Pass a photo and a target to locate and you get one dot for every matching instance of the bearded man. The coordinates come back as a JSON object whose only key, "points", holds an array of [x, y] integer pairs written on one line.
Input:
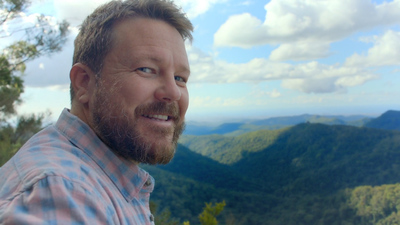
{"points": [[128, 103]]}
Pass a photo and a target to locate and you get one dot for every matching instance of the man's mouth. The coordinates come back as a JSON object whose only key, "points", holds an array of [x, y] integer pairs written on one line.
{"points": [[158, 117]]}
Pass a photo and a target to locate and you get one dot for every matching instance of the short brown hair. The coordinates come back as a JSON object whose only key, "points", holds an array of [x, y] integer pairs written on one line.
{"points": [[94, 40]]}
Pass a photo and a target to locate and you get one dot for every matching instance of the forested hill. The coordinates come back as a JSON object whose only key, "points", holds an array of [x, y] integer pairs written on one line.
{"points": [[228, 149], [305, 174], [322, 159], [390, 120]]}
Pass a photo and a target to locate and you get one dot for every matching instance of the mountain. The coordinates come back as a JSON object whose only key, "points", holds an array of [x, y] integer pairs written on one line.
{"points": [[226, 128], [390, 120], [322, 159], [305, 174], [196, 129], [274, 123], [230, 149]]}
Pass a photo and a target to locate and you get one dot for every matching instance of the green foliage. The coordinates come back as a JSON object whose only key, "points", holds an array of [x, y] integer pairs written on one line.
{"points": [[11, 8], [377, 205], [40, 38], [11, 88], [163, 217], [12, 138], [207, 217], [210, 212]]}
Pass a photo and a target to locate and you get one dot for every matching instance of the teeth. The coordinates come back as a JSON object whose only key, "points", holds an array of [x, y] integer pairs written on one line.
{"points": [[159, 117]]}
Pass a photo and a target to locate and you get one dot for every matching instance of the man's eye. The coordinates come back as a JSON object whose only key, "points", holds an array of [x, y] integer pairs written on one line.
{"points": [[145, 69], [180, 79]]}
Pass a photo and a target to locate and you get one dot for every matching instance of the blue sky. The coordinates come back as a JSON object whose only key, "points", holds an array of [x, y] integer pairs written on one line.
{"points": [[258, 59]]}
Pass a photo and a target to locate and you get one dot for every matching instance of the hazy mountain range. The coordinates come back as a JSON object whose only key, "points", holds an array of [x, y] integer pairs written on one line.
{"points": [[236, 128]]}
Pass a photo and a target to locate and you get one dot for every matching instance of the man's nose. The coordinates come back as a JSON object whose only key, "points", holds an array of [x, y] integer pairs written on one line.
{"points": [[168, 91]]}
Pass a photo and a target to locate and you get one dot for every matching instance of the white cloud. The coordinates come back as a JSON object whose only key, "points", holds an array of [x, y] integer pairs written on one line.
{"points": [[242, 31], [385, 52], [355, 80], [311, 77], [75, 11], [300, 51], [299, 24], [261, 93], [194, 8]]}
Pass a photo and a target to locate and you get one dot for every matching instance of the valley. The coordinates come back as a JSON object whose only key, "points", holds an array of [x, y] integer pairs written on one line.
{"points": [[305, 173]]}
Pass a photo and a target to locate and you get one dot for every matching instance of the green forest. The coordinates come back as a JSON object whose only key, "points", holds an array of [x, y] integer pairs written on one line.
{"points": [[309, 173]]}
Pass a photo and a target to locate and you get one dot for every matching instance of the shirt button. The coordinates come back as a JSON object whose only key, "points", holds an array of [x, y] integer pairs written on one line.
{"points": [[151, 218], [148, 183]]}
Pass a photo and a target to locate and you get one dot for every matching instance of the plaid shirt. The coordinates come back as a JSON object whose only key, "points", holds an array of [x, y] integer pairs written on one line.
{"points": [[66, 175]]}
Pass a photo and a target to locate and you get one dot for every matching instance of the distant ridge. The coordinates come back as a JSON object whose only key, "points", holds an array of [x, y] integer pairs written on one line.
{"points": [[389, 120], [274, 123]]}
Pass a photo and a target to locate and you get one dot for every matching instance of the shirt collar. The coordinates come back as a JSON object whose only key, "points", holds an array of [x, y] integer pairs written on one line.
{"points": [[128, 177]]}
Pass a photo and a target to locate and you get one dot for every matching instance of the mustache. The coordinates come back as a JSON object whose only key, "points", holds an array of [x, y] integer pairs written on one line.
{"points": [[162, 108]]}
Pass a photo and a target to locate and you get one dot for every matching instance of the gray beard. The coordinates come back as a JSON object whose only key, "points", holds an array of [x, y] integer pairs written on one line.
{"points": [[120, 133]]}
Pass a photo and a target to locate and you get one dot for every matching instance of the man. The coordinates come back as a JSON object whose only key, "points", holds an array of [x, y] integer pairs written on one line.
{"points": [[129, 99]]}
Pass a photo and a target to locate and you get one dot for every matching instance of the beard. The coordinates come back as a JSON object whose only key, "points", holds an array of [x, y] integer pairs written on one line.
{"points": [[119, 130]]}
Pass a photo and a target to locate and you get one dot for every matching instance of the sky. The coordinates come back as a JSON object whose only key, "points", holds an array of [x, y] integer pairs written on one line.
{"points": [[253, 59]]}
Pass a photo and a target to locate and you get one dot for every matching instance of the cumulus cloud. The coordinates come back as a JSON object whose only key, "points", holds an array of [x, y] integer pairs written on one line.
{"points": [[301, 51], [310, 77], [298, 24], [385, 52]]}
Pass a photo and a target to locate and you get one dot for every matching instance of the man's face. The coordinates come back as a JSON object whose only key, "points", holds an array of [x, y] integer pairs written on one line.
{"points": [[141, 98]]}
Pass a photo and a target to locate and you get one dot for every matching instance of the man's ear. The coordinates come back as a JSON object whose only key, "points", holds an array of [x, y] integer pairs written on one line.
{"points": [[82, 81]]}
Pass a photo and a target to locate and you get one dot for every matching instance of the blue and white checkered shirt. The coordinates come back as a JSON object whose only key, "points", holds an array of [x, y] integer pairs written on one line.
{"points": [[66, 175]]}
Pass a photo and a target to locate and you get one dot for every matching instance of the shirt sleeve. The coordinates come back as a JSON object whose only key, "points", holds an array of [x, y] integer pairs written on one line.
{"points": [[57, 200]]}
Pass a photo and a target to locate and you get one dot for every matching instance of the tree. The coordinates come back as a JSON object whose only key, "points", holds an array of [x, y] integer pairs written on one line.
{"points": [[12, 138], [163, 217], [36, 39], [210, 212], [33, 40]]}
